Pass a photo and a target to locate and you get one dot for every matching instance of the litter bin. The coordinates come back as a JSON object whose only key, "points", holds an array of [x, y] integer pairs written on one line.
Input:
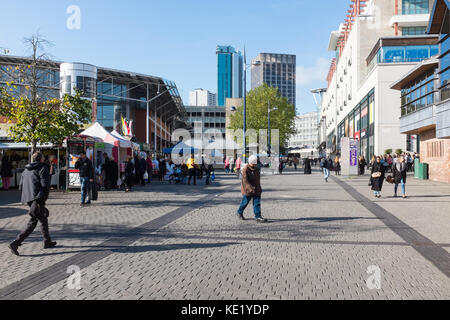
{"points": [[425, 171], [420, 171]]}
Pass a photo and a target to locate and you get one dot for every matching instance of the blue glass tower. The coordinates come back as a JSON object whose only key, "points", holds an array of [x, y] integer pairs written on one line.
{"points": [[230, 65]]}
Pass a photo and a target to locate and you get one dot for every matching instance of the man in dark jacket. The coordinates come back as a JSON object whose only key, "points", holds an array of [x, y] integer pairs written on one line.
{"points": [[107, 168], [142, 169], [251, 189], [86, 177], [35, 187]]}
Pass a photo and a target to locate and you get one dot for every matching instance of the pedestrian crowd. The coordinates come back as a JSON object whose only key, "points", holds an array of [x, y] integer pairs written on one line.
{"points": [[397, 166]]}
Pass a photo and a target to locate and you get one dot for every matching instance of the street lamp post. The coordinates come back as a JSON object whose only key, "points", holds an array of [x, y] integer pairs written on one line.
{"points": [[269, 153], [246, 66], [245, 108]]}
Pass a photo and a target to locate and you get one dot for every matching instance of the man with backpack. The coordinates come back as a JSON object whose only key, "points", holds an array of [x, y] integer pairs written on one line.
{"points": [[35, 187]]}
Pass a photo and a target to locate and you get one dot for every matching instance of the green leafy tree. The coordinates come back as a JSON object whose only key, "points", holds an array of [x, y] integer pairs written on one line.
{"points": [[258, 100], [37, 117]]}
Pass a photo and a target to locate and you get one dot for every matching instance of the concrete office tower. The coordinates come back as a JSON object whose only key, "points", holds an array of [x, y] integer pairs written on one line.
{"points": [[203, 98], [276, 70], [230, 66], [307, 135], [373, 48]]}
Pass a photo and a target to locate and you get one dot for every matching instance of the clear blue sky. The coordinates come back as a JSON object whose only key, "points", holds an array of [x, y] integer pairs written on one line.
{"points": [[177, 39]]}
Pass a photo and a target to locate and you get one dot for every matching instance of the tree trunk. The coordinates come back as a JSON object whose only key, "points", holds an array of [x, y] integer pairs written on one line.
{"points": [[33, 147]]}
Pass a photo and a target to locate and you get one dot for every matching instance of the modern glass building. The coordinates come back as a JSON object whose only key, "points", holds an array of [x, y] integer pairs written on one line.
{"points": [[230, 67], [425, 99], [115, 94]]}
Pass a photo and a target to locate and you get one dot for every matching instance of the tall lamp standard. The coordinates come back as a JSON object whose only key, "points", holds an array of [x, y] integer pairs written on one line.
{"points": [[246, 66], [269, 153]]}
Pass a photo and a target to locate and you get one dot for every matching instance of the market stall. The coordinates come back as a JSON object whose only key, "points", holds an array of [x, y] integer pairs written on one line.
{"points": [[18, 154], [76, 145], [123, 150]]}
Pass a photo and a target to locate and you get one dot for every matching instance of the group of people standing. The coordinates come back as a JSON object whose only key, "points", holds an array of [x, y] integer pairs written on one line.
{"points": [[232, 166], [399, 170]]}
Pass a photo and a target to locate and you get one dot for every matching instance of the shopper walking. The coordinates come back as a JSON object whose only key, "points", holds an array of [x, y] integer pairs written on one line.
{"points": [[142, 164], [251, 189], [149, 167], [238, 167], [399, 170], [162, 169], [362, 165], [129, 178], [227, 166], [107, 168], [307, 166], [209, 172], [6, 173], [325, 164], [84, 165], [192, 169], [337, 166], [377, 176], [35, 187]]}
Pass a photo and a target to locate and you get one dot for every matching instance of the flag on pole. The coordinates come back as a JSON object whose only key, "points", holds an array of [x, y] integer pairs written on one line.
{"points": [[125, 128]]}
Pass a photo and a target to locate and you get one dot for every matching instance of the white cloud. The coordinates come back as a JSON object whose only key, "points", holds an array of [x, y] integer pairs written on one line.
{"points": [[307, 75]]}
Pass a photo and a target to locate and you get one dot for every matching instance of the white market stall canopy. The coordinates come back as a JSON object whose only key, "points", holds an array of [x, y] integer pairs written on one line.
{"points": [[124, 142], [23, 145], [96, 131]]}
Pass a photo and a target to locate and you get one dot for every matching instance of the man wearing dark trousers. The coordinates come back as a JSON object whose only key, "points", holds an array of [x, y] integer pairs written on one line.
{"points": [[35, 187], [86, 176], [192, 166]]}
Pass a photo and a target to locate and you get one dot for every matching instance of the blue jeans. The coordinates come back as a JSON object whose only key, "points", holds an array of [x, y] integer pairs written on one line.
{"points": [[256, 205], [403, 187], [326, 173], [85, 185]]}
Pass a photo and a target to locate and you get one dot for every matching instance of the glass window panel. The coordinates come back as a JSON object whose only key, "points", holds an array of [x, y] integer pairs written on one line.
{"points": [[445, 45], [416, 53], [434, 50], [445, 78], [393, 54], [445, 61]]}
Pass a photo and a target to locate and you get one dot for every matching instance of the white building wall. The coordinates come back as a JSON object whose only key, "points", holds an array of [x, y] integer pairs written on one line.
{"points": [[202, 98], [352, 78]]}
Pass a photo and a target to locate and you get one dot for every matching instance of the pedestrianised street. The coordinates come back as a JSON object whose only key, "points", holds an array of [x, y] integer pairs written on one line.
{"points": [[322, 241]]}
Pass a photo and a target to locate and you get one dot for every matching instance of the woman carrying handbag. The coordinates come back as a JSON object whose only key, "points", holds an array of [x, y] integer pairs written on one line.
{"points": [[378, 175]]}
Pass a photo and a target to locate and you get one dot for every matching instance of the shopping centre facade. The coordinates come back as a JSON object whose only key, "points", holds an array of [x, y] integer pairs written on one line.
{"points": [[115, 95], [373, 49]]}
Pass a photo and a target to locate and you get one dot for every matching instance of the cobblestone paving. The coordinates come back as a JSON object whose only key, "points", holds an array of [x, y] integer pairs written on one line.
{"points": [[318, 244]]}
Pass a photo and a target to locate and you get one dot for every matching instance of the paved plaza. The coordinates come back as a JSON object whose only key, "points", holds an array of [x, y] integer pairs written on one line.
{"points": [[185, 242]]}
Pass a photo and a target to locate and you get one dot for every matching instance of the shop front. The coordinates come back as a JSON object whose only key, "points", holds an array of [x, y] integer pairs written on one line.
{"points": [[359, 124]]}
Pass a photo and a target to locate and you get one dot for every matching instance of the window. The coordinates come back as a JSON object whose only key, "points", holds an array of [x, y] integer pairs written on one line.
{"points": [[435, 149], [415, 6], [412, 31]]}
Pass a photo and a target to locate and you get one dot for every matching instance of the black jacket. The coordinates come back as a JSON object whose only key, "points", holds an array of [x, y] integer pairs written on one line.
{"points": [[377, 183], [85, 167], [142, 165], [399, 175], [129, 168], [35, 182], [6, 170]]}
